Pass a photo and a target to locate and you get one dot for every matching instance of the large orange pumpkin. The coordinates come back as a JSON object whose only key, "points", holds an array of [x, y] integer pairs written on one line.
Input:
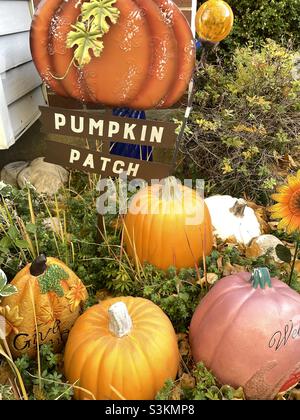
{"points": [[122, 348], [139, 53], [247, 331], [214, 21], [48, 301], [167, 225]]}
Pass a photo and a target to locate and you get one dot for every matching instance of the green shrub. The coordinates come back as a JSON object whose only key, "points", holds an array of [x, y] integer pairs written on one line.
{"points": [[255, 21], [245, 130]]}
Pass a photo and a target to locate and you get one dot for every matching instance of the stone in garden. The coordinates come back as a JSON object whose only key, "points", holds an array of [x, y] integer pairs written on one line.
{"points": [[10, 172], [47, 178]]}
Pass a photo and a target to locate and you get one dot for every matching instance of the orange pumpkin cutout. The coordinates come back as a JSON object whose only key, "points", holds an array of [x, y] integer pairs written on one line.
{"points": [[168, 225], [123, 348], [135, 53], [49, 300]]}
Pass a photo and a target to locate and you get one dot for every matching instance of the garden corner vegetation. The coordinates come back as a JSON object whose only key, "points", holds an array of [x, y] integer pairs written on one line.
{"points": [[140, 304]]}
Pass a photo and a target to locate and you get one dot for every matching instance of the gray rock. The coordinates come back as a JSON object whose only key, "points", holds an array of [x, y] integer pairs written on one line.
{"points": [[10, 172], [46, 178]]}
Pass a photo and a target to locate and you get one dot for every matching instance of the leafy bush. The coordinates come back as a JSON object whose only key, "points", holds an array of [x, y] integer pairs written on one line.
{"points": [[200, 385], [255, 21], [50, 384], [245, 130]]}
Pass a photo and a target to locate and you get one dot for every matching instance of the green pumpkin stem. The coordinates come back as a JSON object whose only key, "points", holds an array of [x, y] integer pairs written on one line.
{"points": [[261, 278], [39, 266]]}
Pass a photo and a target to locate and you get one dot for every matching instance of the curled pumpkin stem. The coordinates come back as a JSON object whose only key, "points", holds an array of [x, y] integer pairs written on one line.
{"points": [[66, 73]]}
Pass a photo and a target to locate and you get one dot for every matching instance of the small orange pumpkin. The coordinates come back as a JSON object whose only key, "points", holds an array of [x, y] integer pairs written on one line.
{"points": [[168, 224], [214, 21], [48, 301], [123, 348]]}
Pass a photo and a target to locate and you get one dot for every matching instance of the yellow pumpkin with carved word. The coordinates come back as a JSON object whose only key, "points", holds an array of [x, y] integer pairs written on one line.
{"points": [[214, 21], [48, 301], [123, 348], [168, 224]]}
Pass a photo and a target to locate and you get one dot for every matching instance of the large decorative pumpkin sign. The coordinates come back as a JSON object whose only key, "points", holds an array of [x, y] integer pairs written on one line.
{"points": [[135, 53], [45, 307], [123, 348], [247, 331]]}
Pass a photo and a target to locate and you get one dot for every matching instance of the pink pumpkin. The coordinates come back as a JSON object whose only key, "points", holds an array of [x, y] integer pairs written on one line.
{"points": [[247, 332]]}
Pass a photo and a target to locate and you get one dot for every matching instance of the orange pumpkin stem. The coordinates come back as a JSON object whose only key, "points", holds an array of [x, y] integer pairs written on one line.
{"points": [[120, 322]]}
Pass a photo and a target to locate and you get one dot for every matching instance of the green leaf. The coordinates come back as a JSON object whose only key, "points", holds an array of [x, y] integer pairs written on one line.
{"points": [[283, 253], [31, 228], [3, 279], [13, 232], [100, 11], [5, 242], [84, 41], [8, 290], [20, 243]]}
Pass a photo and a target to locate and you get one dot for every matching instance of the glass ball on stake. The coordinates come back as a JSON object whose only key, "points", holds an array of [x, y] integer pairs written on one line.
{"points": [[214, 22]]}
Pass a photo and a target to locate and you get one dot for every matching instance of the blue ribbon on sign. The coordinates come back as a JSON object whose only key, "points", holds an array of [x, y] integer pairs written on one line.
{"points": [[131, 150], [198, 45]]}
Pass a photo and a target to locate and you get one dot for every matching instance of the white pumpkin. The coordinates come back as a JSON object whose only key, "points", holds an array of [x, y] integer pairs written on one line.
{"points": [[232, 218]]}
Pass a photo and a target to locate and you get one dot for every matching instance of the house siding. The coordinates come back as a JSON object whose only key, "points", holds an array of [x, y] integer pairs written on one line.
{"points": [[21, 90]]}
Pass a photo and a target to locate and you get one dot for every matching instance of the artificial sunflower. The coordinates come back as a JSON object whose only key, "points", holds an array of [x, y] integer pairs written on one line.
{"points": [[288, 204]]}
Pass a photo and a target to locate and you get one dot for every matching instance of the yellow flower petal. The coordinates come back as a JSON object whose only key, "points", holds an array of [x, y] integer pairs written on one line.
{"points": [[293, 182], [283, 189], [281, 198], [284, 223], [294, 224]]}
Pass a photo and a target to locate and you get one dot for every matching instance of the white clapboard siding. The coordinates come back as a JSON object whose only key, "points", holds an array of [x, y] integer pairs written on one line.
{"points": [[19, 81], [7, 137], [25, 111], [15, 16], [21, 91], [14, 50]]}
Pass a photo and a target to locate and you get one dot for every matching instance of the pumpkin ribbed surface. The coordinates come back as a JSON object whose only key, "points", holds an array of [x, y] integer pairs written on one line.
{"points": [[134, 366], [168, 231], [147, 59], [249, 337]]}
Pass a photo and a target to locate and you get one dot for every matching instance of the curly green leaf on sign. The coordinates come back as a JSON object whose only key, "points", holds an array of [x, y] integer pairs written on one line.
{"points": [[100, 11], [94, 22], [84, 41]]}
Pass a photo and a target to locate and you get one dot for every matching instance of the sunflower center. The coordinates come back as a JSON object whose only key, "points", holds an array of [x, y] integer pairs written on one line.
{"points": [[294, 203]]}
